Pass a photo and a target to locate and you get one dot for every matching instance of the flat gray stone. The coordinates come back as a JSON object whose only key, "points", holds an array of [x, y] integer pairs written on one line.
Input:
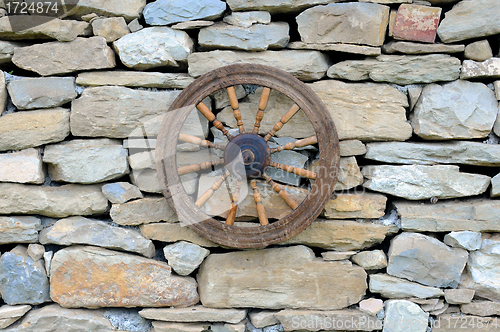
{"points": [[305, 65], [258, 37], [424, 259], [481, 308], [352, 23], [185, 257], [370, 260], [128, 9], [46, 92], [146, 180], [56, 58], [111, 28], [189, 25], [166, 12], [467, 240], [10, 314], [263, 318], [478, 51], [275, 6], [19, 229], [24, 166], [195, 314], [80, 230], [476, 215], [406, 47], [336, 47], [22, 130], [247, 19], [460, 152], [402, 315], [485, 69], [352, 148], [416, 182], [495, 186], [22, 280], [57, 202], [459, 296], [399, 69], [464, 109], [392, 287], [121, 192], [470, 19], [86, 161], [159, 326], [143, 211], [7, 50], [135, 79], [168, 232], [170, 46], [36, 251], [337, 255]]}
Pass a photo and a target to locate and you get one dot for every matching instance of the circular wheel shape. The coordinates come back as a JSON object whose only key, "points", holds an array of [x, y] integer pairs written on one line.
{"points": [[246, 160]]}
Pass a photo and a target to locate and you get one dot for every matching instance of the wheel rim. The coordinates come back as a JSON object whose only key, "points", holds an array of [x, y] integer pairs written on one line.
{"points": [[190, 212]]}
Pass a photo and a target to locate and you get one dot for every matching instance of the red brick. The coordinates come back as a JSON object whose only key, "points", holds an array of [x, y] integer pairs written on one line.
{"points": [[416, 23]]}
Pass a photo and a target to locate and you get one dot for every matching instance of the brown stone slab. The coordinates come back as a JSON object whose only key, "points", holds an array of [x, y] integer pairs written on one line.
{"points": [[416, 23]]}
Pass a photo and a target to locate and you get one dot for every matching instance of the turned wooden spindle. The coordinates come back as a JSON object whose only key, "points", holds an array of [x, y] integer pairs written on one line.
{"points": [[297, 144], [233, 100], [295, 170], [201, 142], [235, 197], [281, 192], [261, 212], [210, 192], [262, 107], [211, 117], [295, 108], [197, 167]]}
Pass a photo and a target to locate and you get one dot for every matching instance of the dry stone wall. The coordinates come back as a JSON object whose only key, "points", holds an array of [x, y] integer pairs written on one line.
{"points": [[409, 241]]}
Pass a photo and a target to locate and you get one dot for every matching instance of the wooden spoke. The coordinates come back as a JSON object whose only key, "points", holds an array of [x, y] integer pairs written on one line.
{"points": [[210, 192], [283, 194], [196, 167], [297, 144], [235, 197], [262, 107], [295, 170], [211, 117], [295, 108], [261, 212], [233, 100], [201, 142]]}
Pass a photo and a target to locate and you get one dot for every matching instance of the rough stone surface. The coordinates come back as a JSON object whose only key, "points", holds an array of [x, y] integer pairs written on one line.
{"points": [[459, 296], [80, 230], [60, 58], [143, 211], [189, 25], [496, 85], [476, 215], [135, 25], [371, 260], [159, 326], [19, 229], [251, 274], [353, 206], [146, 180], [349, 174], [459, 109], [185, 257], [46, 92], [485, 69], [392, 287], [62, 30], [354, 23], [352, 148], [275, 6], [399, 69], [7, 50], [417, 48], [135, 79], [365, 111], [340, 235], [371, 306], [36, 251], [305, 65], [469, 19], [478, 51], [10, 314], [58, 202], [22, 167], [111, 28], [337, 256], [402, 315], [22, 280], [257, 37], [460, 152], [129, 9], [167, 232], [3, 89], [336, 47], [23, 130], [121, 192], [416, 182], [166, 12], [154, 47], [495, 186], [466, 240], [94, 277], [426, 260], [263, 318], [481, 308], [86, 161], [416, 23], [247, 19], [112, 111], [194, 314]]}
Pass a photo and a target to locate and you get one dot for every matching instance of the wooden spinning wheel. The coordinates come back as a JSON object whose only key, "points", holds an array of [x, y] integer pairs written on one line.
{"points": [[240, 160]]}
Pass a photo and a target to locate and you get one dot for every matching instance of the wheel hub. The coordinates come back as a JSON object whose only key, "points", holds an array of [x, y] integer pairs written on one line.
{"points": [[247, 155]]}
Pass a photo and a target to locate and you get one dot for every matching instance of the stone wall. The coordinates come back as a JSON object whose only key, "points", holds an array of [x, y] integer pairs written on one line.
{"points": [[409, 241]]}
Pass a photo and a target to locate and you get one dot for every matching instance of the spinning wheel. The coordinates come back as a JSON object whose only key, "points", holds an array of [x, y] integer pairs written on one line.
{"points": [[227, 184]]}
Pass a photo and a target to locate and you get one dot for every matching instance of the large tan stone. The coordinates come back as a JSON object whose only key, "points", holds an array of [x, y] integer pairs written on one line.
{"points": [[354, 206], [419, 48], [19, 229], [279, 278], [41, 28], [58, 202], [354, 23], [129, 9], [143, 211], [135, 79], [397, 288], [111, 28], [194, 314], [23, 130], [481, 308], [60, 58], [275, 6], [336, 47], [167, 232], [368, 111], [22, 167], [95, 277]]}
